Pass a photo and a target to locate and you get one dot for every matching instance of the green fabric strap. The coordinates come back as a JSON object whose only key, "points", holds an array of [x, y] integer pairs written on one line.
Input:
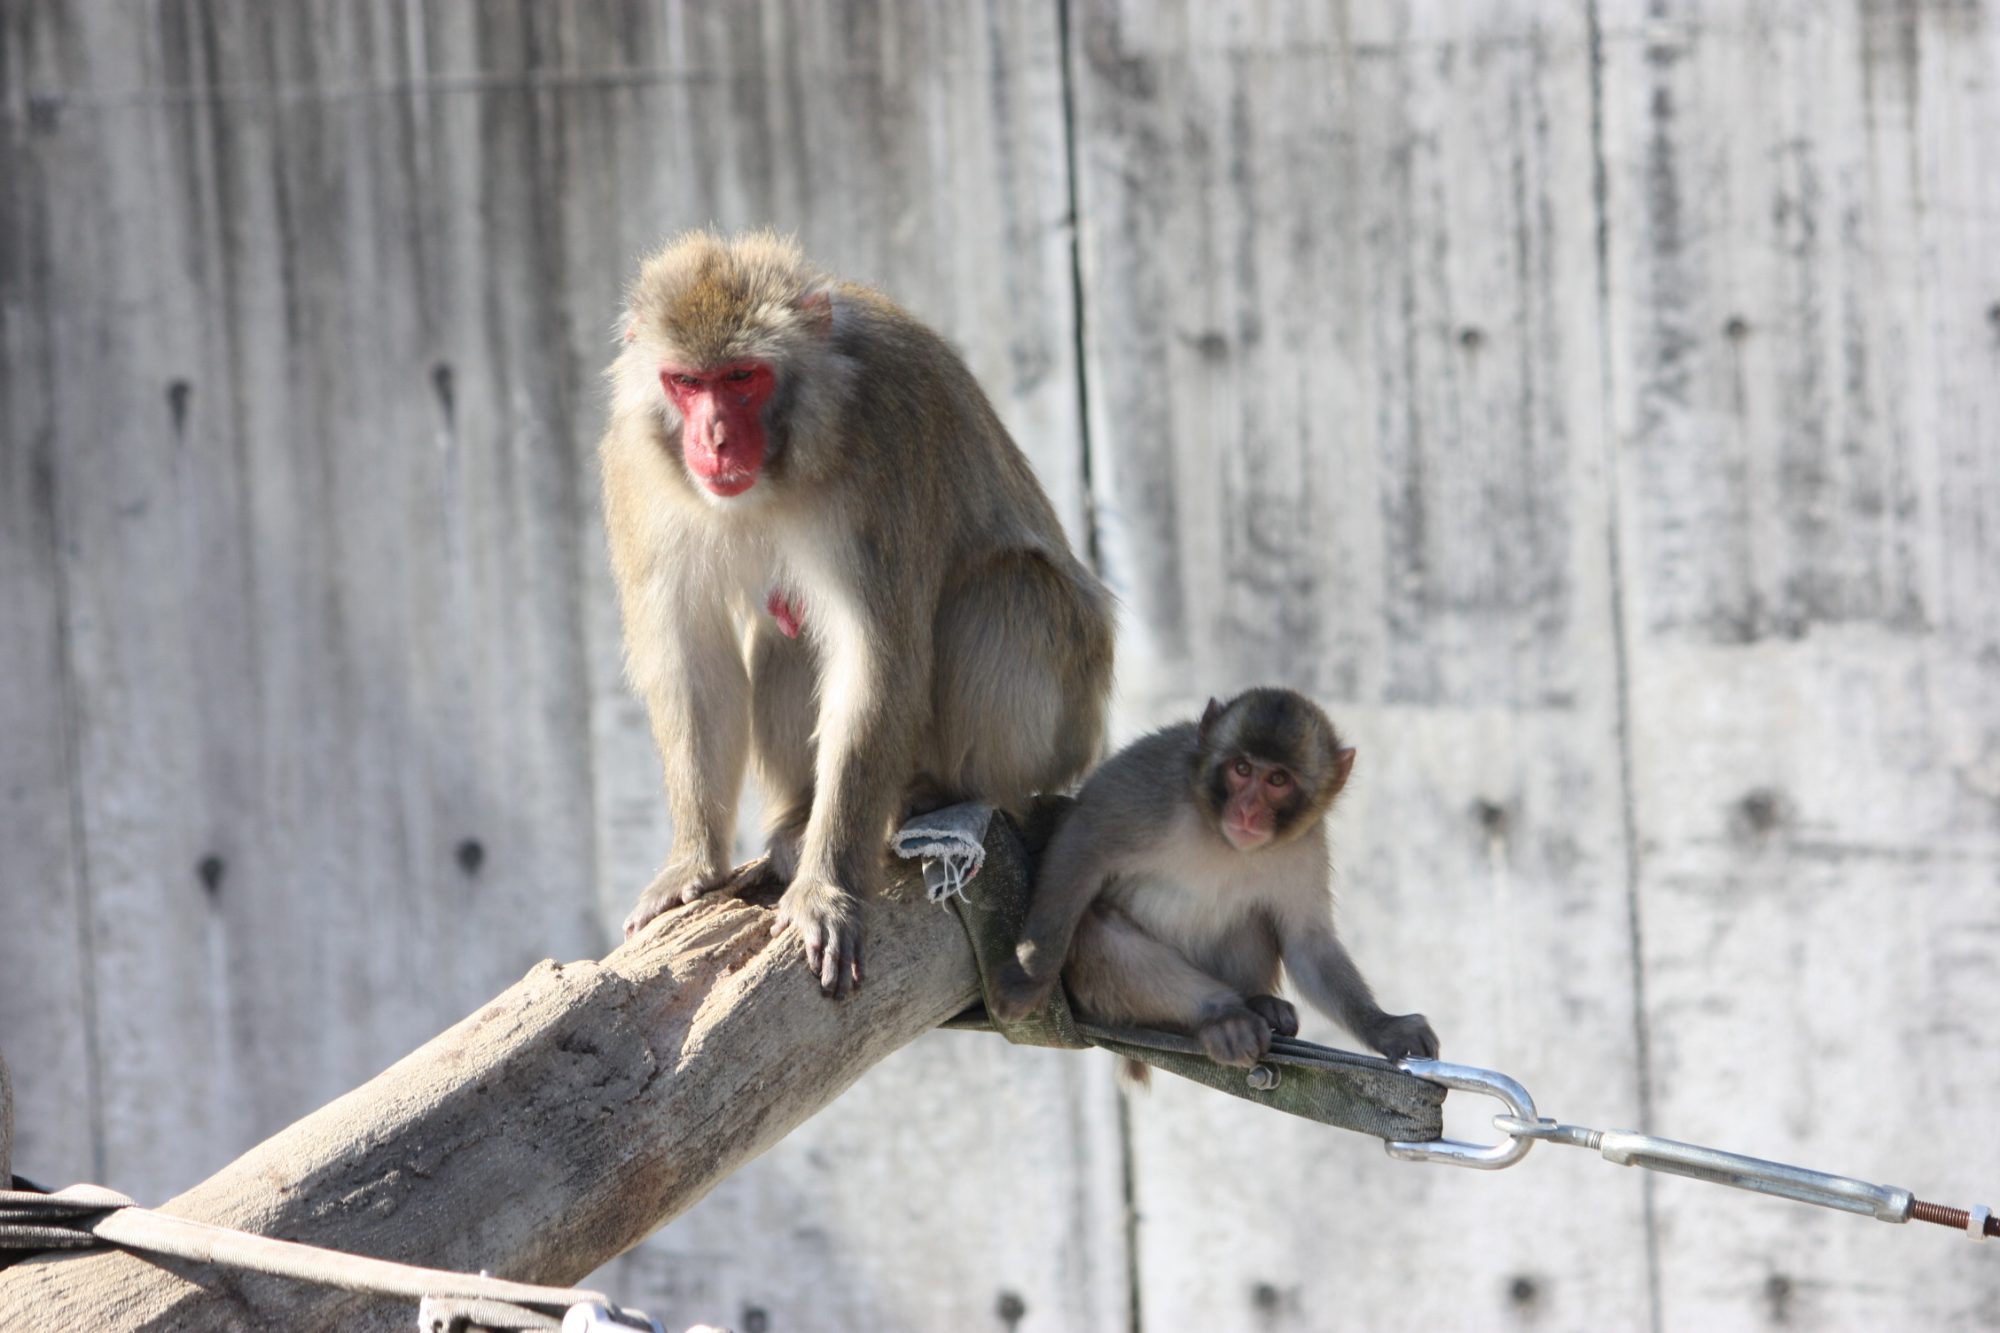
{"points": [[1359, 1092]]}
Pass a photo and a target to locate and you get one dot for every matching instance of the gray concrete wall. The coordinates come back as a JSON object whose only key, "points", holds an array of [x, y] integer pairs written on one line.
{"points": [[1595, 404]]}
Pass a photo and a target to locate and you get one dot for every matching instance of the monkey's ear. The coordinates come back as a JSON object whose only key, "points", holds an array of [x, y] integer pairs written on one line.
{"points": [[631, 328], [1343, 764], [817, 307], [1208, 716]]}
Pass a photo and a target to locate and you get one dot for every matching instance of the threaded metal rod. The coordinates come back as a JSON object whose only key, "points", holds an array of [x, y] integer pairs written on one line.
{"points": [[1945, 1215]]}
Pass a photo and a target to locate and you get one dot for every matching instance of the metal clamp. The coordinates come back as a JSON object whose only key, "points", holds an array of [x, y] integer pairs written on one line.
{"points": [[1456, 1152], [451, 1314], [583, 1318], [462, 1314]]}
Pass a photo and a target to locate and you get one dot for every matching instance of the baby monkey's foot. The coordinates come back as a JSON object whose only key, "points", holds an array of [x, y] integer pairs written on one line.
{"points": [[1284, 1019], [1236, 1038]]}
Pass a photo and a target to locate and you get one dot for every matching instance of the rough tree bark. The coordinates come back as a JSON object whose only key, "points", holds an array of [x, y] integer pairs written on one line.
{"points": [[549, 1131]]}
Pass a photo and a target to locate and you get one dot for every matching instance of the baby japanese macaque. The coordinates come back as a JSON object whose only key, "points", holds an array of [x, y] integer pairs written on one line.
{"points": [[1195, 864]]}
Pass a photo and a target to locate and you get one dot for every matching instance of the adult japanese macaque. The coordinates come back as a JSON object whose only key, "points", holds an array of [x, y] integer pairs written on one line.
{"points": [[832, 559], [1193, 864]]}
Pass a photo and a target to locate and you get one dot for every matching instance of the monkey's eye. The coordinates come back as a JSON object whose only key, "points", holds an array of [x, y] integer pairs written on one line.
{"points": [[1279, 778], [686, 381], [739, 375], [1242, 767]]}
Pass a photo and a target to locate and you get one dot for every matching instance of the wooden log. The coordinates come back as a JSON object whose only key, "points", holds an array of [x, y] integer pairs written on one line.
{"points": [[551, 1130], [590, 1104]]}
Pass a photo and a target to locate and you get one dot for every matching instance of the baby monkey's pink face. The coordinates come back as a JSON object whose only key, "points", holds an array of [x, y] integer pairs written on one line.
{"points": [[1259, 794], [722, 421]]}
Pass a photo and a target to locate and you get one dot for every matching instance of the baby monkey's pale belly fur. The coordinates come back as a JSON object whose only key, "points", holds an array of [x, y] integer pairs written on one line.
{"points": [[1196, 888]]}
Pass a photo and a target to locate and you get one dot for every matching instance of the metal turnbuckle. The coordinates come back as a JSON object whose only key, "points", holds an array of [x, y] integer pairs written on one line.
{"points": [[1456, 1152], [1523, 1129], [1885, 1203]]}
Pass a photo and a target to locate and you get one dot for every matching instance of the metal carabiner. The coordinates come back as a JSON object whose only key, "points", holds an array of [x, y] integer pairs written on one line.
{"points": [[1456, 1152]]}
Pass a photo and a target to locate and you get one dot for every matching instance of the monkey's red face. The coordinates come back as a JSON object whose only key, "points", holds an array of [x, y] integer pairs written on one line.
{"points": [[722, 421], [1260, 797]]}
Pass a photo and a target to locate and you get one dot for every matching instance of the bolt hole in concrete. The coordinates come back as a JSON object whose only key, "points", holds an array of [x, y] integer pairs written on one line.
{"points": [[1271, 1301], [1778, 1291], [471, 855], [210, 870], [447, 394], [1759, 811]]}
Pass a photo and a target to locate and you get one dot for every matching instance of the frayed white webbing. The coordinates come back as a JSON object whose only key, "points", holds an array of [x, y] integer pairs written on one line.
{"points": [[951, 843]]}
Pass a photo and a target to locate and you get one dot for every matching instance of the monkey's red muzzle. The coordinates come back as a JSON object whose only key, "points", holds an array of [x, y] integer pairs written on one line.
{"points": [[723, 468], [722, 423]]}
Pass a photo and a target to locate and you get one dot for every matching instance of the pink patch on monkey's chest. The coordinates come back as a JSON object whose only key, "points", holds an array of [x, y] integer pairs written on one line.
{"points": [[786, 611]]}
